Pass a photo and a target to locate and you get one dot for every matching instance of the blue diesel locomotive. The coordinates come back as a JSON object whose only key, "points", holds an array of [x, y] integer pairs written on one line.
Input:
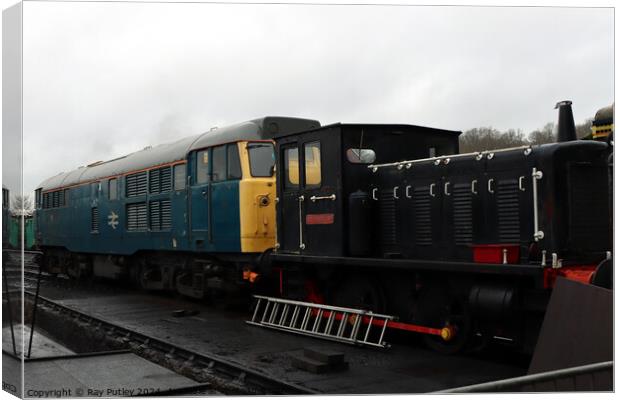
{"points": [[192, 215]]}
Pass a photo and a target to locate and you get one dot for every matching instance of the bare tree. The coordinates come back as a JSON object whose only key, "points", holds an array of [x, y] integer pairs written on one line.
{"points": [[488, 138], [544, 135], [584, 130], [22, 204]]}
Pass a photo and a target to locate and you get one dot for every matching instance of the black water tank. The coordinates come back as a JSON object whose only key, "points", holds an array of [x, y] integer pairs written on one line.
{"points": [[360, 224]]}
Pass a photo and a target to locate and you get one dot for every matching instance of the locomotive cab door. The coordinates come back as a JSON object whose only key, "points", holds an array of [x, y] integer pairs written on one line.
{"points": [[200, 193], [310, 201], [289, 208]]}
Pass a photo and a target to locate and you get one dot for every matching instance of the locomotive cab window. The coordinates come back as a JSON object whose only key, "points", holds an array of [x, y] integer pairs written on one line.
{"points": [[219, 164], [234, 164], [291, 168], [202, 166], [262, 159], [312, 154]]}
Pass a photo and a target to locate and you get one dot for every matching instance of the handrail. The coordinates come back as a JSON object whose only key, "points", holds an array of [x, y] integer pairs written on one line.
{"points": [[478, 154], [515, 383]]}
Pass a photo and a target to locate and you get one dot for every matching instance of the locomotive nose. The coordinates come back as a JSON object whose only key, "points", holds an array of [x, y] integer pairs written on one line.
{"points": [[566, 123]]}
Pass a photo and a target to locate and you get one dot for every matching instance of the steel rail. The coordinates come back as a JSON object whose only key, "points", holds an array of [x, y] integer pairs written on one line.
{"points": [[216, 366]]}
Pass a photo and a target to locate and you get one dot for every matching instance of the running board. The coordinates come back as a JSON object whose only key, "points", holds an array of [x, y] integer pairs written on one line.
{"points": [[347, 325]]}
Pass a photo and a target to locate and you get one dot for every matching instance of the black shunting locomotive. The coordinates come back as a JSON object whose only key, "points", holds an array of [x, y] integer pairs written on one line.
{"points": [[464, 248]]}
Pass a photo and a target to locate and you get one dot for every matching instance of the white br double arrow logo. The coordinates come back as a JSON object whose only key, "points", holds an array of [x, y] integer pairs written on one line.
{"points": [[113, 219]]}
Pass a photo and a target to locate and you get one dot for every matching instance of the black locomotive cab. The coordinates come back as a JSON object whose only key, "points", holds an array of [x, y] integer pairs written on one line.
{"points": [[324, 199]]}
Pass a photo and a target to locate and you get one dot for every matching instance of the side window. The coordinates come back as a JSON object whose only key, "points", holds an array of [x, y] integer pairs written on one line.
{"points": [[95, 187], [312, 152], [234, 164], [179, 176], [113, 189], [291, 168], [219, 164], [202, 166]]}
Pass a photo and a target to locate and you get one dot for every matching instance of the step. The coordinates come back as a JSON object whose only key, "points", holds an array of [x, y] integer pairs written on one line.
{"points": [[324, 355], [317, 367]]}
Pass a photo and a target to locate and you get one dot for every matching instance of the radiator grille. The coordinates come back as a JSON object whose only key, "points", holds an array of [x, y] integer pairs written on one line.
{"points": [[588, 222], [160, 180], [160, 215], [136, 217], [423, 227], [56, 199], [462, 211], [94, 219], [508, 211], [387, 215], [135, 184]]}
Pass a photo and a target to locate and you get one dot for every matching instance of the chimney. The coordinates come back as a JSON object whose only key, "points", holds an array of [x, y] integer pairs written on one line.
{"points": [[566, 123]]}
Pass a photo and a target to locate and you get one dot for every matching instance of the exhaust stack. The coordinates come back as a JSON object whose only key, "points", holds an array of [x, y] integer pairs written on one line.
{"points": [[566, 123]]}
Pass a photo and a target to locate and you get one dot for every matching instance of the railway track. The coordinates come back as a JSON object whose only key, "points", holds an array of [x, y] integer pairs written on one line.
{"points": [[12, 268], [227, 376]]}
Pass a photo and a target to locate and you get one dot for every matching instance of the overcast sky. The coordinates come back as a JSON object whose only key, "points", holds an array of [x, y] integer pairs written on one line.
{"points": [[105, 79]]}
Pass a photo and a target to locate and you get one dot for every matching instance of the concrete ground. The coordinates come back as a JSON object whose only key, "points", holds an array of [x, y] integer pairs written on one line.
{"points": [[53, 370], [110, 375], [42, 345], [404, 368]]}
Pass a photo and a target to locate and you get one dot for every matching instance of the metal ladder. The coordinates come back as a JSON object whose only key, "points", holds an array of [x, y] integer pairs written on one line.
{"points": [[340, 324]]}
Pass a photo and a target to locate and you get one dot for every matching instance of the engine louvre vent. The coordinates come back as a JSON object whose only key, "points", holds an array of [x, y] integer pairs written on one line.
{"points": [[160, 215], [135, 184], [462, 216], [423, 222], [387, 215], [508, 222], [94, 219], [160, 180], [136, 217]]}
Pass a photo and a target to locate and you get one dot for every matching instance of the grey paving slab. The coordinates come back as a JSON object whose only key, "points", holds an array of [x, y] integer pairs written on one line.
{"points": [[42, 345], [102, 375]]}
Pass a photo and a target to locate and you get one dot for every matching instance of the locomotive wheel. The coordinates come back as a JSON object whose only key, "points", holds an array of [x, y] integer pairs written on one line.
{"points": [[442, 310], [138, 276], [360, 293], [603, 276]]}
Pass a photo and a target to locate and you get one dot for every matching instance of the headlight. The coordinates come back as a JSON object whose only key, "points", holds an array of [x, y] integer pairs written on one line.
{"points": [[263, 201]]}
